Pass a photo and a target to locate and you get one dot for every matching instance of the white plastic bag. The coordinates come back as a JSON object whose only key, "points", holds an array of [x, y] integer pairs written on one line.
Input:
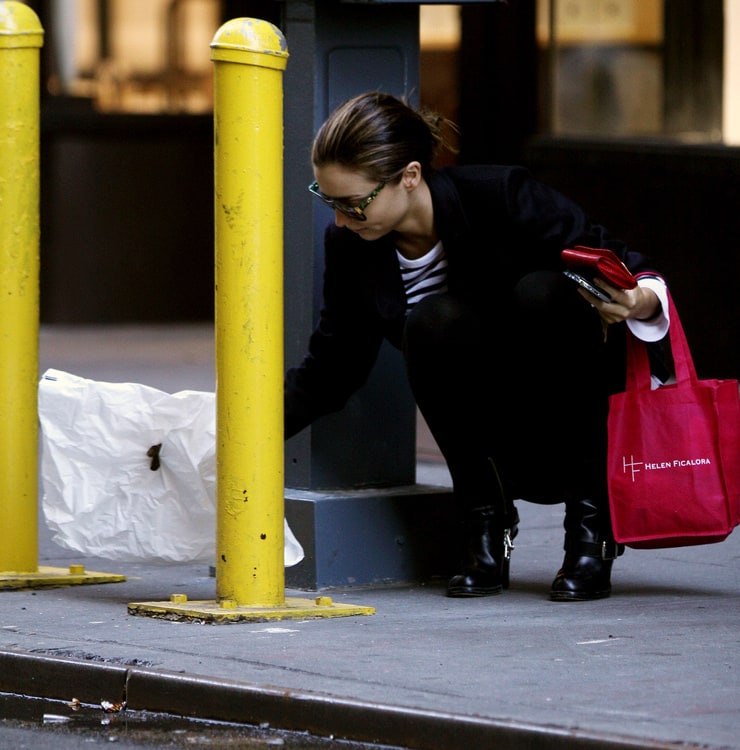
{"points": [[129, 472]]}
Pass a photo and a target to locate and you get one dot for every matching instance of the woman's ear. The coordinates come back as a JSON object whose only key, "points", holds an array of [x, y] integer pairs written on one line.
{"points": [[411, 175]]}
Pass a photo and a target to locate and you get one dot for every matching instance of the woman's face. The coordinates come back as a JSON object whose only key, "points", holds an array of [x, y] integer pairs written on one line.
{"points": [[383, 214]]}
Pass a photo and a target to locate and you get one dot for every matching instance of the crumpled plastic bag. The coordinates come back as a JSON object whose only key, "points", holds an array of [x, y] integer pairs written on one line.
{"points": [[129, 472]]}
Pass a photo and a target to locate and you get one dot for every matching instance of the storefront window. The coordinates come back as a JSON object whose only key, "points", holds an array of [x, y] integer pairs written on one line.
{"points": [[134, 55], [439, 41], [634, 67]]}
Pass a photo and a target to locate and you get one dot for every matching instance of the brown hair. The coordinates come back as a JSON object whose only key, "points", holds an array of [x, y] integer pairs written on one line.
{"points": [[379, 134]]}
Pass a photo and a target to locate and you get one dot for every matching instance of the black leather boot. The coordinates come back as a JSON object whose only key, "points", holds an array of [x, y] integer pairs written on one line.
{"points": [[590, 550], [487, 543]]}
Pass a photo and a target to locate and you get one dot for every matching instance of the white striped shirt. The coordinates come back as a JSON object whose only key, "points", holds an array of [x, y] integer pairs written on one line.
{"points": [[424, 276]]}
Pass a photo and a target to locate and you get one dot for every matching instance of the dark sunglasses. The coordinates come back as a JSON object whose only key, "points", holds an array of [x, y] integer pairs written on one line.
{"points": [[354, 212]]}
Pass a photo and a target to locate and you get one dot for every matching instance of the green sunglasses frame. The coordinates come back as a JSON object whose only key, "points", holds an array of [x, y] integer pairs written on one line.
{"points": [[354, 212]]}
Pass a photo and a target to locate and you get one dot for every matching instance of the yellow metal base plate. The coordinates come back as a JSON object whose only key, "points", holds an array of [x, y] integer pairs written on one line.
{"points": [[180, 609], [75, 575]]}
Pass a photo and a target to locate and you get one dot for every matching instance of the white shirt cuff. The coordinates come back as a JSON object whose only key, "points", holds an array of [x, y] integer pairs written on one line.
{"points": [[655, 328]]}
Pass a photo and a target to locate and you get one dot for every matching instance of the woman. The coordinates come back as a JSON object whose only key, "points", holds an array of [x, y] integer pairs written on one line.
{"points": [[508, 360]]}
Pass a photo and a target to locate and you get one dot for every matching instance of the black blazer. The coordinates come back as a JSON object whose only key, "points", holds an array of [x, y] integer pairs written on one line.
{"points": [[496, 225]]}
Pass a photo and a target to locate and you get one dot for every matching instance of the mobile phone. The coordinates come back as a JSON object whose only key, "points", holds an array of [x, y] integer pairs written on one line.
{"points": [[588, 286]]}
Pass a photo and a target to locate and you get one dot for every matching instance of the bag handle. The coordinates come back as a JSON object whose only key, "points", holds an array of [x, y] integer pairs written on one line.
{"points": [[638, 365]]}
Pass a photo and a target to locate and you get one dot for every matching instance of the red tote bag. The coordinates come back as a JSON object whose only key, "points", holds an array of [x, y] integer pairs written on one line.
{"points": [[674, 453]]}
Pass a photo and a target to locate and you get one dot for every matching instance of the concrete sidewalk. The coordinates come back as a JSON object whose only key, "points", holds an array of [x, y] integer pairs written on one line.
{"points": [[656, 665]]}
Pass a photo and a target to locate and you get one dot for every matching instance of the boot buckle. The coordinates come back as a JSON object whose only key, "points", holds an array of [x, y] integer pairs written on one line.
{"points": [[609, 550], [508, 544]]}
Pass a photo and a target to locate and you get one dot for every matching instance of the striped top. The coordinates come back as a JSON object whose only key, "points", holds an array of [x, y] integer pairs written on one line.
{"points": [[424, 276]]}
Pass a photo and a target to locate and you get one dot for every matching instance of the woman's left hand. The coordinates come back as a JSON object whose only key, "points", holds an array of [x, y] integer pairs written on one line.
{"points": [[639, 303]]}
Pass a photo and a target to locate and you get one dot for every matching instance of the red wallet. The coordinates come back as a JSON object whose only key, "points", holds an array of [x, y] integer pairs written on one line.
{"points": [[592, 261]]}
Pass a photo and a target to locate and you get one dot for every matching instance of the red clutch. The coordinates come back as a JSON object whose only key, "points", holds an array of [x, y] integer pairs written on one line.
{"points": [[591, 261]]}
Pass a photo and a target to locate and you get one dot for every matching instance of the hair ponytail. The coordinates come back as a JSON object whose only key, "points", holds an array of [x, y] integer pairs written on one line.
{"points": [[379, 134]]}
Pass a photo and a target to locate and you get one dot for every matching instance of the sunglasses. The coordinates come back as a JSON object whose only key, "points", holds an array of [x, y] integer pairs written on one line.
{"points": [[354, 212]]}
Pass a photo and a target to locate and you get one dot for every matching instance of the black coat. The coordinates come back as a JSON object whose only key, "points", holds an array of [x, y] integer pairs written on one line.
{"points": [[496, 225]]}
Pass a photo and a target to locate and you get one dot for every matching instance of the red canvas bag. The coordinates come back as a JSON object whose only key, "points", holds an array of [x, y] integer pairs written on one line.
{"points": [[674, 453]]}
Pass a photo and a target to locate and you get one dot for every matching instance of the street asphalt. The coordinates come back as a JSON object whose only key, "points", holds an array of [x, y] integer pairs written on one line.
{"points": [[654, 666]]}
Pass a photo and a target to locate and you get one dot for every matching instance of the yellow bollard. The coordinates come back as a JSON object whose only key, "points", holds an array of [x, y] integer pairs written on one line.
{"points": [[21, 37], [250, 56]]}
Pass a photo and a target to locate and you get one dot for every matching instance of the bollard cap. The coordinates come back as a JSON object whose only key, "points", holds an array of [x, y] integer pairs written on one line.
{"points": [[250, 41], [19, 26]]}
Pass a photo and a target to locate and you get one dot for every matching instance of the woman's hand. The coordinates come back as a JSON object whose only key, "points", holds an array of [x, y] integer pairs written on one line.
{"points": [[638, 303]]}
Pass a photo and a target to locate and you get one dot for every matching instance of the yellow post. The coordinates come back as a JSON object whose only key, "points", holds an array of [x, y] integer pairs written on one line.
{"points": [[250, 56], [21, 37]]}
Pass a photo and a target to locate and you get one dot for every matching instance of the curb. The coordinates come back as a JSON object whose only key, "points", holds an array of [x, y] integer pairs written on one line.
{"points": [[204, 698]]}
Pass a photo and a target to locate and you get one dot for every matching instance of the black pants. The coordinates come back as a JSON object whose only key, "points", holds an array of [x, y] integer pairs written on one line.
{"points": [[526, 392]]}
